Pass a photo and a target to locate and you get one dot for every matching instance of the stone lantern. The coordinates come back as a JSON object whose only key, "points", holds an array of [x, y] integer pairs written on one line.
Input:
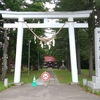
{"points": [[63, 66]]}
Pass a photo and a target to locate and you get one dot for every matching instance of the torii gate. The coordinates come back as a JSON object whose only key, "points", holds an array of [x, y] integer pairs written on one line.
{"points": [[45, 15]]}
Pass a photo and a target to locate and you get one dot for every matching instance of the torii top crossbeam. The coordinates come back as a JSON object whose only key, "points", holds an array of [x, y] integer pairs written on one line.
{"points": [[29, 15]]}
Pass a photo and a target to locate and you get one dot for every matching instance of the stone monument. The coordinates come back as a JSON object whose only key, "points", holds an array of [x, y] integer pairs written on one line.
{"points": [[95, 83]]}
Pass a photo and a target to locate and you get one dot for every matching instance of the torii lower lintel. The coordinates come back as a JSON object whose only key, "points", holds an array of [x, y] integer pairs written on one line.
{"points": [[46, 25]]}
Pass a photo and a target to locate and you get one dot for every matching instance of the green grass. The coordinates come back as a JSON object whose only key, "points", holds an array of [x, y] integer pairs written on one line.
{"points": [[84, 75], [64, 76], [28, 79], [1, 86]]}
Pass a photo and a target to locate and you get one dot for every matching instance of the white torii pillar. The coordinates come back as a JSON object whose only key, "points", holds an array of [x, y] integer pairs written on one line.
{"points": [[19, 44], [45, 15], [73, 51]]}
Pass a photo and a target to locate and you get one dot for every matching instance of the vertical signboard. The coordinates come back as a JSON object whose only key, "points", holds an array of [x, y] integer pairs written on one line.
{"points": [[97, 51]]}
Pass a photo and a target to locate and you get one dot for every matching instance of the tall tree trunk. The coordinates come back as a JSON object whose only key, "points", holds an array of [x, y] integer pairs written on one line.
{"points": [[98, 16], [68, 62], [9, 59], [91, 22], [0, 65], [78, 52], [90, 59], [4, 68], [78, 58], [68, 57]]}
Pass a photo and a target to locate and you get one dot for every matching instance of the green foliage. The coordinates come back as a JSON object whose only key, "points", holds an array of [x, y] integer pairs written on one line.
{"points": [[14, 5], [97, 2], [37, 6], [60, 51], [40, 0], [34, 47], [71, 5], [83, 36]]}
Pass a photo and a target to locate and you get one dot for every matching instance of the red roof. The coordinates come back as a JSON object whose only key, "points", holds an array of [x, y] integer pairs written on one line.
{"points": [[49, 59]]}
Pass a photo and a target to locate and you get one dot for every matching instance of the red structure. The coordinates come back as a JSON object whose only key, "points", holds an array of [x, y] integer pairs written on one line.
{"points": [[49, 61]]}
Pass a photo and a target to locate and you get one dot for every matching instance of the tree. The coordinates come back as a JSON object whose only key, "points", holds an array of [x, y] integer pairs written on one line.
{"points": [[70, 5], [4, 46], [1, 42], [97, 7], [4, 68]]}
